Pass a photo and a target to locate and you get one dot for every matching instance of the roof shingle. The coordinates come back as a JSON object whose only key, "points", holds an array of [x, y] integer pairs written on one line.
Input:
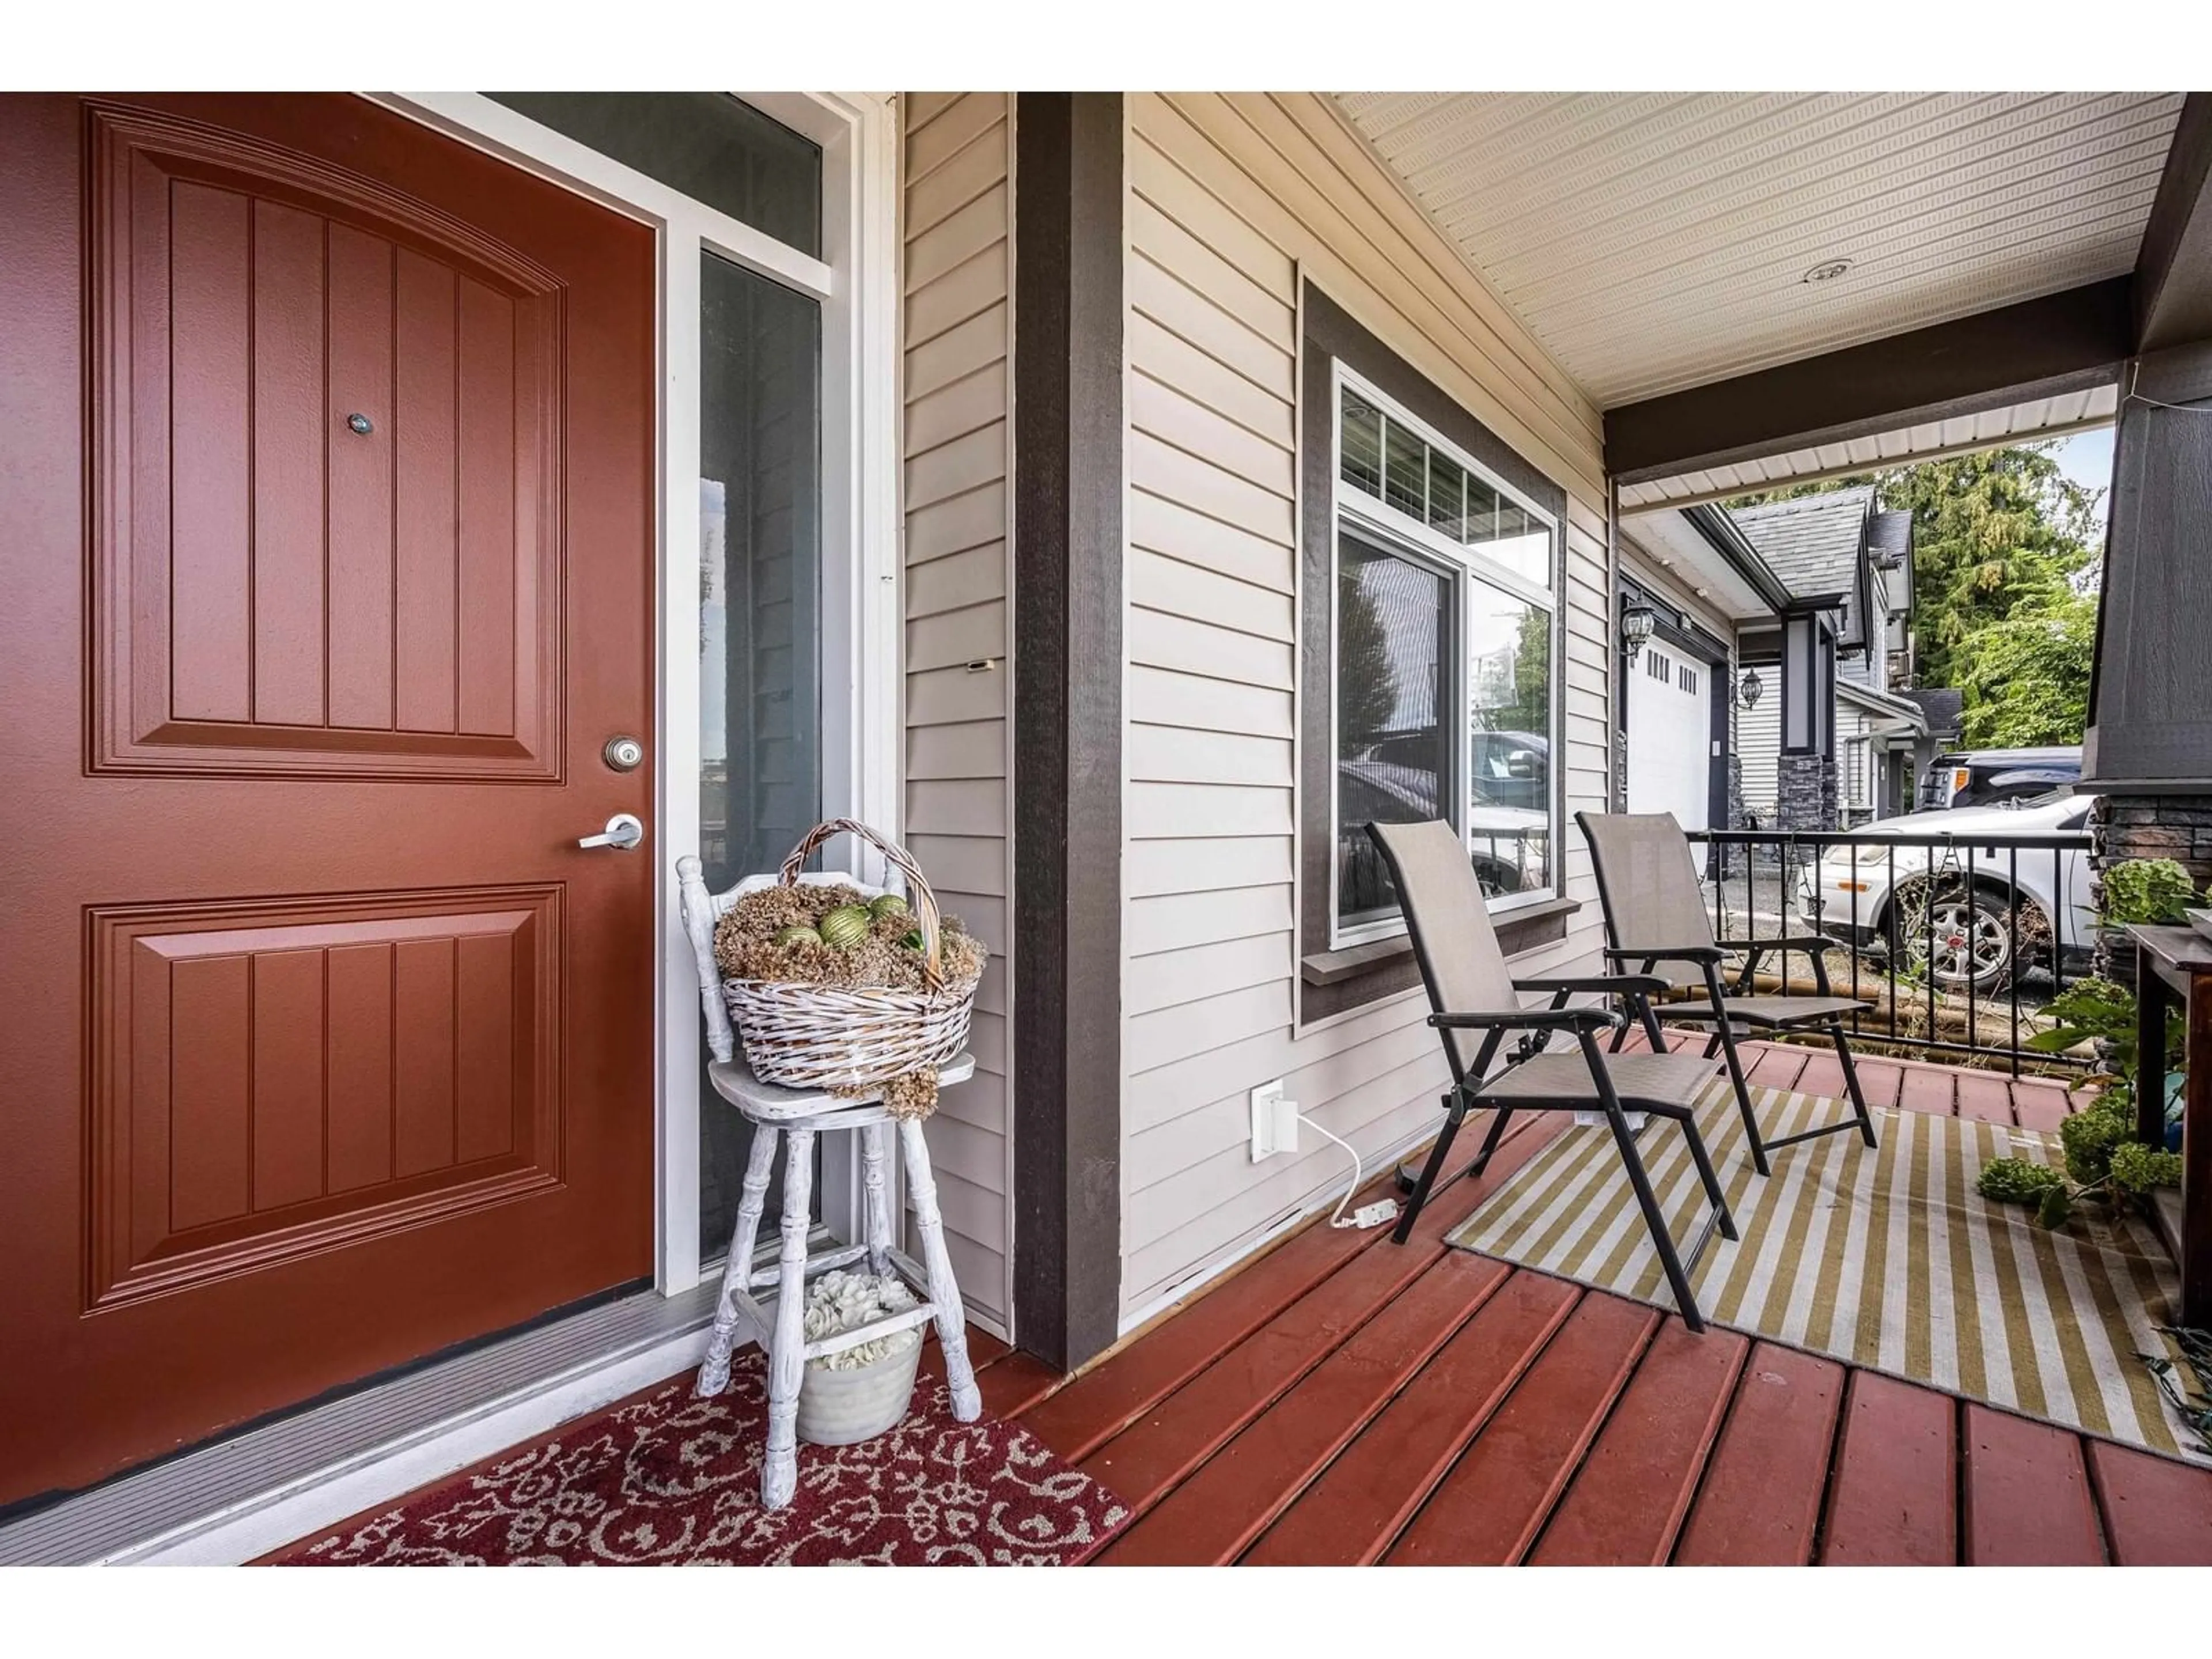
{"points": [[1811, 542]]}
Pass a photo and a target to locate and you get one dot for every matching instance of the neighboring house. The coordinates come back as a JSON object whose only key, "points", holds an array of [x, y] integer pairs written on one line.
{"points": [[1723, 585]]}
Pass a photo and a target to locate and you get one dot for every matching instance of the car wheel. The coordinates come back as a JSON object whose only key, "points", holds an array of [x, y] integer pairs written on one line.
{"points": [[1963, 941]]}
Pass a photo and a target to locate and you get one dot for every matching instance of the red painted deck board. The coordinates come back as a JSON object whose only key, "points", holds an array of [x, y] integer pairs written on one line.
{"points": [[1760, 1502], [1492, 1504], [1986, 1096], [2039, 1105], [1016, 1383], [2027, 1497], [1823, 1075], [1350, 1515], [1173, 1437], [1224, 1506], [1628, 1499], [1778, 1067], [1079, 1419], [1893, 1499], [2156, 1513], [1929, 1089], [1880, 1081]]}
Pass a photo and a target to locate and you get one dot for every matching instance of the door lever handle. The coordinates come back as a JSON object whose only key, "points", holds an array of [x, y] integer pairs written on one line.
{"points": [[623, 831]]}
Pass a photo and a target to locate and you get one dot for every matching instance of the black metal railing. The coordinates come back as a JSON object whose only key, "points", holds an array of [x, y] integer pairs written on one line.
{"points": [[1941, 926]]}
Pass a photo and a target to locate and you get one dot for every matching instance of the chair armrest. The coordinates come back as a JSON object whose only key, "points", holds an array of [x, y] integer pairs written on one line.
{"points": [[1700, 953], [1640, 985], [1795, 941], [1533, 1019]]}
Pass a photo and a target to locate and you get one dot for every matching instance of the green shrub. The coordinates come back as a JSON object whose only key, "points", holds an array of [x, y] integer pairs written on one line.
{"points": [[2088, 1008], [2090, 1136], [2146, 890], [2136, 1168], [2017, 1181]]}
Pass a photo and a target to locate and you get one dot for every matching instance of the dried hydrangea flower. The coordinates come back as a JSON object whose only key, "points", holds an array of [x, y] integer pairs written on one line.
{"points": [[840, 1301]]}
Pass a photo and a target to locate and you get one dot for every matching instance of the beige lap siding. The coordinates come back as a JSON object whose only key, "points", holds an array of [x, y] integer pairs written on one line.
{"points": [[1228, 200], [957, 147]]}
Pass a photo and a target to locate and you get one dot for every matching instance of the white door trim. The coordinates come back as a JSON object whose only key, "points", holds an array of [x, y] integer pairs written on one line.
{"points": [[857, 280]]}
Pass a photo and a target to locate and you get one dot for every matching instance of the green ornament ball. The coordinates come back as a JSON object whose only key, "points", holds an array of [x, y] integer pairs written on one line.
{"points": [[886, 904], [845, 927], [914, 940], [797, 934]]}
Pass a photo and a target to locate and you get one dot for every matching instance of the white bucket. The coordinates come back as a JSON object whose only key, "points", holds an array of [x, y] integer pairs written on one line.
{"points": [[843, 1407]]}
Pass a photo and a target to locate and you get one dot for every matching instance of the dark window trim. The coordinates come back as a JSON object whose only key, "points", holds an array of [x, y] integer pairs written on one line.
{"points": [[1335, 981], [1068, 491]]}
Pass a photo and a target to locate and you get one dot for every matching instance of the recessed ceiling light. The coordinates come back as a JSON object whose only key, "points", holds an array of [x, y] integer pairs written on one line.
{"points": [[1827, 271]]}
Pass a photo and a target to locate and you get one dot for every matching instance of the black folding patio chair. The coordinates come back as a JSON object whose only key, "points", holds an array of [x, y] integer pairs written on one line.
{"points": [[1654, 916], [1471, 992]]}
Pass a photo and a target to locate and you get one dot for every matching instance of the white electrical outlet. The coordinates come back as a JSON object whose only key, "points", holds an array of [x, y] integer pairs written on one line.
{"points": [[1274, 1121]]}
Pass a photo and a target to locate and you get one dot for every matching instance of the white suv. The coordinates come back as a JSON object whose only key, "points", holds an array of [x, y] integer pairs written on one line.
{"points": [[1871, 895]]}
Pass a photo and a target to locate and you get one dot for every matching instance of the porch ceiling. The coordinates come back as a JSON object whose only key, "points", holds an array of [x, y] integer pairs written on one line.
{"points": [[1654, 241]]}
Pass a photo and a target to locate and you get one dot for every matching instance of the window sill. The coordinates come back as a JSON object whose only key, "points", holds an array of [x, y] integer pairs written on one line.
{"points": [[1529, 928]]}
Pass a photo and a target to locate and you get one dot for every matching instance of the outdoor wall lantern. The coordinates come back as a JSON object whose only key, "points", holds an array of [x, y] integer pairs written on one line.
{"points": [[1748, 689], [1636, 622]]}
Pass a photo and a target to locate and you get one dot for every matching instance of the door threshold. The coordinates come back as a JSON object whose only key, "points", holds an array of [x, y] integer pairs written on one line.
{"points": [[254, 1493]]}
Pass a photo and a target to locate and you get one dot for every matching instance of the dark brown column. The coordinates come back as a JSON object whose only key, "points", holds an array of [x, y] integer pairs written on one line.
{"points": [[1066, 763]]}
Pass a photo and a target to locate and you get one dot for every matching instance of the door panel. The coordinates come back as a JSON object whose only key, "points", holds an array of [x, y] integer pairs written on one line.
{"points": [[324, 1047], [328, 469], [270, 1080]]}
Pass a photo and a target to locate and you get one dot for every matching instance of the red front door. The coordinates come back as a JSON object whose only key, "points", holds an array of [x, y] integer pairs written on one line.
{"points": [[326, 528]]}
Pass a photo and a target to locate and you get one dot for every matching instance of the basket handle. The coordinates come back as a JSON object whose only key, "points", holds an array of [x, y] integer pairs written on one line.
{"points": [[917, 885]]}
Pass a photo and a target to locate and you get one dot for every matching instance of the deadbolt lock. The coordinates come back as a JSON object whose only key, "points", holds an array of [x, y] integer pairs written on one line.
{"points": [[624, 754]]}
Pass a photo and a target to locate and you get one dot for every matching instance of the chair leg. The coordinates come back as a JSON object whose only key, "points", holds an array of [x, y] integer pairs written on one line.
{"points": [[1652, 1032], [737, 1273], [1743, 1098], [1499, 1117], [780, 1469], [1455, 1112], [1661, 1240], [1712, 1183], [872, 1138], [944, 1289], [1851, 1082]]}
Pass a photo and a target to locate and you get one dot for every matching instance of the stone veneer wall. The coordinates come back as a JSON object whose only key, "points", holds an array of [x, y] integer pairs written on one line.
{"points": [[1805, 793], [2122, 827]]}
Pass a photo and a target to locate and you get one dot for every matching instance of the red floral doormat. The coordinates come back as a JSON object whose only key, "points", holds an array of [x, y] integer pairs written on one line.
{"points": [[666, 1479]]}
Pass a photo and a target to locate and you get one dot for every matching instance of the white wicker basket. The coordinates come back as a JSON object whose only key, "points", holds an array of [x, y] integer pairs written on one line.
{"points": [[851, 1038]]}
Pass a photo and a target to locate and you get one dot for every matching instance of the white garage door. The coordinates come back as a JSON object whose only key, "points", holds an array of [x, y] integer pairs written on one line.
{"points": [[1670, 714]]}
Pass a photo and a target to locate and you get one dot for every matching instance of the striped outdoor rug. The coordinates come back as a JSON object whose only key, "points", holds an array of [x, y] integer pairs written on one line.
{"points": [[1888, 1259]]}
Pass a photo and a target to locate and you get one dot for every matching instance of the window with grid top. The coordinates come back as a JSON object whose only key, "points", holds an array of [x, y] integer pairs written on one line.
{"points": [[1445, 675]]}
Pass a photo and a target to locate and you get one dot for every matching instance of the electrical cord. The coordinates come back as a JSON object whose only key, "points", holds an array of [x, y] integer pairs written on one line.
{"points": [[1367, 1215]]}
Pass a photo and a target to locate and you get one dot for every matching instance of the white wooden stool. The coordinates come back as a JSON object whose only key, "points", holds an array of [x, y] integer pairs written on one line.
{"points": [[797, 1115]]}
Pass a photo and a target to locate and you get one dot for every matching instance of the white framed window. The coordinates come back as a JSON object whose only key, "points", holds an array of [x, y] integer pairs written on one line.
{"points": [[776, 217], [1444, 674]]}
